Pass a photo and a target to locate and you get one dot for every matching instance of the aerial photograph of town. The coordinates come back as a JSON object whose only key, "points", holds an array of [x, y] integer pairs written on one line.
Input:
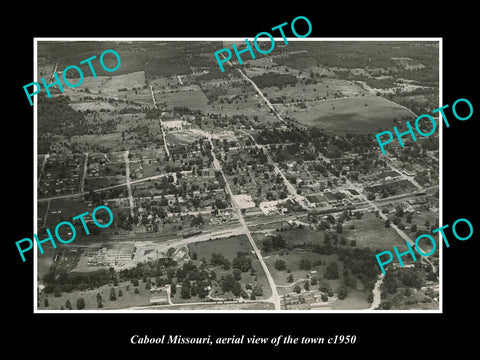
{"points": [[258, 188]]}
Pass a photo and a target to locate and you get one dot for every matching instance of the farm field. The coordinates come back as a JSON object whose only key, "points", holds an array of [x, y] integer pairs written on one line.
{"points": [[354, 115]]}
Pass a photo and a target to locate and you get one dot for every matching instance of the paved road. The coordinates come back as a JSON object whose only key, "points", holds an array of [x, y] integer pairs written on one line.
{"points": [[127, 175], [376, 293], [82, 182], [392, 225], [269, 104], [161, 126], [275, 298], [132, 182], [293, 192], [45, 158]]}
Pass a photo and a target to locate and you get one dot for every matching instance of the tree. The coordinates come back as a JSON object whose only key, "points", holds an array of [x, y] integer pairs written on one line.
{"points": [[409, 218], [120, 293], [237, 274], [68, 304], [267, 245], [290, 278], [136, 291], [236, 288], [80, 303], [113, 296], [45, 302], [427, 223], [185, 292], [242, 262], [297, 288], [326, 238], [257, 290], [342, 292], [331, 271], [413, 228], [305, 264], [306, 286], [280, 265], [370, 298], [399, 211], [387, 223], [227, 283], [339, 228], [324, 286]]}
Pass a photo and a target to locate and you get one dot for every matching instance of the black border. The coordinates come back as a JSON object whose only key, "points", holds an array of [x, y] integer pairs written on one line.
{"points": [[377, 334]]}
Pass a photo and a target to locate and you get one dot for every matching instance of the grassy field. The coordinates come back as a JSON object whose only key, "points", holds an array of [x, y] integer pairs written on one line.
{"points": [[182, 137], [128, 299], [193, 96], [292, 261], [359, 114], [65, 209], [356, 300], [371, 232], [228, 247]]}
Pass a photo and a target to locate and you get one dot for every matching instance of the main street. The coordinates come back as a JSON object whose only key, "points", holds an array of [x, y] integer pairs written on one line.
{"points": [[275, 298]]}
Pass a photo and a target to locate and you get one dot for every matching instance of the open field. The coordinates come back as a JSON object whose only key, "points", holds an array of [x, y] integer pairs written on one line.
{"points": [[356, 300], [128, 299], [371, 232], [228, 247], [360, 115], [182, 137], [193, 96], [292, 261]]}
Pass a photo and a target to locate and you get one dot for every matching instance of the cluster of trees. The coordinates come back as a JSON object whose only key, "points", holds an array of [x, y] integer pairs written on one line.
{"points": [[163, 67], [58, 280], [220, 260], [274, 79], [55, 116], [408, 278], [275, 242]]}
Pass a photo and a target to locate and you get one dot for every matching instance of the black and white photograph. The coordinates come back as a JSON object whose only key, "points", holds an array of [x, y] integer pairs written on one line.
{"points": [[260, 187]]}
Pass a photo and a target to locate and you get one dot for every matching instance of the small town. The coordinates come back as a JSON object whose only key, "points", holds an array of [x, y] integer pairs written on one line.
{"points": [[259, 188]]}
